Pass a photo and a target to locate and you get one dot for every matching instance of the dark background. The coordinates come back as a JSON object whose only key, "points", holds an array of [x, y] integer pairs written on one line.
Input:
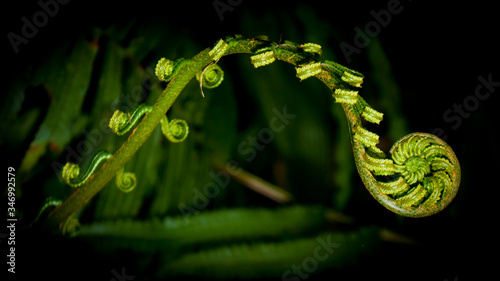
{"points": [[436, 51]]}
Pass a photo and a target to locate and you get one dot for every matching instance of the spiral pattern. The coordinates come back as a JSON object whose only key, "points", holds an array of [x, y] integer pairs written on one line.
{"points": [[176, 130], [118, 122], [71, 171], [423, 170], [211, 77], [426, 171], [125, 182], [166, 69], [71, 227], [427, 176], [423, 174], [121, 122]]}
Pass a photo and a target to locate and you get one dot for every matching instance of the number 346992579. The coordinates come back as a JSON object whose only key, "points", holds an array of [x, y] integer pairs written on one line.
{"points": [[11, 178]]}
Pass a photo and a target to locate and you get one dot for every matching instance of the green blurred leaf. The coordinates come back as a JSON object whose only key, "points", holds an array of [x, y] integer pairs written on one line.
{"points": [[66, 77], [11, 107], [206, 228], [258, 260]]}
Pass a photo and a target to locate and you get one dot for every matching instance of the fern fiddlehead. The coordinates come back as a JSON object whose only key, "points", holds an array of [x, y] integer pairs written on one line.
{"points": [[175, 130], [120, 123], [71, 227], [427, 176], [424, 171], [125, 181], [440, 182], [166, 69], [71, 173], [211, 77]]}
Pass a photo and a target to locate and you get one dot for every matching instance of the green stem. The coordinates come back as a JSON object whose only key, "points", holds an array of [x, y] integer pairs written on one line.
{"points": [[89, 189], [428, 171], [82, 195]]}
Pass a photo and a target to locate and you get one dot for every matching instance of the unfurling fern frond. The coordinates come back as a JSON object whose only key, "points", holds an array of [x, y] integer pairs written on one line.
{"points": [[425, 170]]}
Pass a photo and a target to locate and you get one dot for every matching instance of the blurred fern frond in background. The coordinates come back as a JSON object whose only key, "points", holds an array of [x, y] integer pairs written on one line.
{"points": [[57, 107]]}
